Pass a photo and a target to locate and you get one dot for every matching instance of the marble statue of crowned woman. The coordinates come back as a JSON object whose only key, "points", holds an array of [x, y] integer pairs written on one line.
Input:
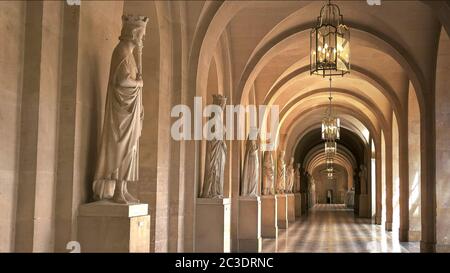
{"points": [[297, 178], [268, 174], [216, 150], [281, 173], [250, 174], [118, 158], [290, 176]]}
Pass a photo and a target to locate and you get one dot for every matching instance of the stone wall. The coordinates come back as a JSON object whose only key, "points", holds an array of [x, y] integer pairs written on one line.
{"points": [[12, 28], [443, 143], [414, 167], [57, 66]]}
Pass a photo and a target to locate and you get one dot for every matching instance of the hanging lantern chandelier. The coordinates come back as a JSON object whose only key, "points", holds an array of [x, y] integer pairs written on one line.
{"points": [[330, 175], [330, 148], [330, 124], [330, 43], [330, 130], [330, 172]]}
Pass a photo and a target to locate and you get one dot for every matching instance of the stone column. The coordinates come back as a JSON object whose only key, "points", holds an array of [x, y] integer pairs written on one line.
{"points": [[428, 179], [404, 179], [37, 218], [378, 166], [389, 182]]}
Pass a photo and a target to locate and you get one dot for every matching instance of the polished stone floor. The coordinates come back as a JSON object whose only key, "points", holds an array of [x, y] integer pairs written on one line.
{"points": [[333, 228]]}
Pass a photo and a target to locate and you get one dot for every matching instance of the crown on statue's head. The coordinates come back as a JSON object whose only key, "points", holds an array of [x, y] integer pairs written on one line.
{"points": [[219, 99], [130, 25], [137, 21]]}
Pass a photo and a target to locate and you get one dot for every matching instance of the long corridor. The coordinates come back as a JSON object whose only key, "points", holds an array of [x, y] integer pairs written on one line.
{"points": [[333, 228]]}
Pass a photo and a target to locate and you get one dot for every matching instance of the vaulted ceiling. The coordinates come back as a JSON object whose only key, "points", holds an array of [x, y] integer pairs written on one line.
{"points": [[266, 43]]}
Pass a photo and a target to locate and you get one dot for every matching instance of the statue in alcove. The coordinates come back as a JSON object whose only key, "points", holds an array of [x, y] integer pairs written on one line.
{"points": [[350, 198], [281, 173], [118, 158], [250, 174], [311, 192], [363, 178], [216, 150], [356, 181], [297, 178], [268, 174], [290, 176]]}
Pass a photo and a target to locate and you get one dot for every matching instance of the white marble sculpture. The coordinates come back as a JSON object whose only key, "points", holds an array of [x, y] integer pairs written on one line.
{"points": [[297, 178], [363, 178], [281, 173], [312, 192], [290, 176], [250, 174], [268, 174], [216, 150], [118, 159], [350, 198]]}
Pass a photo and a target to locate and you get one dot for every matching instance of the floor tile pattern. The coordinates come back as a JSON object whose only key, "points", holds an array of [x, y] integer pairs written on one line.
{"points": [[333, 228]]}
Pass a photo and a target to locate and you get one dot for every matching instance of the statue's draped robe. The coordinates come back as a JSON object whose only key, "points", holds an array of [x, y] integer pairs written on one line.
{"points": [[250, 175], [311, 194], [214, 169], [118, 158], [281, 176], [268, 172], [349, 198], [297, 180], [290, 179]]}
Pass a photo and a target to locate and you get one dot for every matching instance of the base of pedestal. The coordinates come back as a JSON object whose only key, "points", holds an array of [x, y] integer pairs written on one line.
{"points": [[298, 205], [426, 247], [388, 226], [282, 221], [109, 227], [250, 245], [442, 248], [212, 225], [364, 206], [269, 225], [378, 220], [290, 207], [304, 201], [249, 234], [414, 235]]}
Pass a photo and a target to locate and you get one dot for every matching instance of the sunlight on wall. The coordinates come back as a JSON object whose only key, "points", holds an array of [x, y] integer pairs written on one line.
{"points": [[414, 201], [395, 177], [366, 134], [383, 179]]}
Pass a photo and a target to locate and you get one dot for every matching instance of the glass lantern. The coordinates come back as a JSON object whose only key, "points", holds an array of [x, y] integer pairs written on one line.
{"points": [[330, 44]]}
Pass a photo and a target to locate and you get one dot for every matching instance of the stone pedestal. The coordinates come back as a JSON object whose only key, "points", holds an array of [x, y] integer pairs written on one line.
{"points": [[109, 227], [212, 225], [249, 234], [298, 205], [290, 207], [388, 226], [364, 206], [304, 203], [356, 205], [269, 225], [282, 220]]}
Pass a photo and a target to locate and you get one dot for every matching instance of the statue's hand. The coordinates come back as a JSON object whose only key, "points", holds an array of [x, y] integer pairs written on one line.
{"points": [[140, 83]]}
